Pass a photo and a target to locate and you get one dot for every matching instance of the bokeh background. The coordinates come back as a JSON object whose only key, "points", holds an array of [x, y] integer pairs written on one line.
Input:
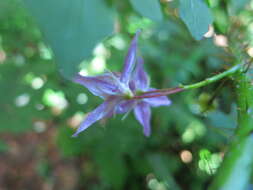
{"points": [[40, 109]]}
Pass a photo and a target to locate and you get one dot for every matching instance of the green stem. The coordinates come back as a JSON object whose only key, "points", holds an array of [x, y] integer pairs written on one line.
{"points": [[168, 91], [214, 78], [244, 91], [238, 164]]}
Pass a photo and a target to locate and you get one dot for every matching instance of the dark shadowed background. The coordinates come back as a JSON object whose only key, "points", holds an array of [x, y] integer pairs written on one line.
{"points": [[40, 109]]}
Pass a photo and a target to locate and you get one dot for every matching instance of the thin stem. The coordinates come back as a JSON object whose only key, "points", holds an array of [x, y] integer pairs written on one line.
{"points": [[168, 91], [214, 78], [239, 158]]}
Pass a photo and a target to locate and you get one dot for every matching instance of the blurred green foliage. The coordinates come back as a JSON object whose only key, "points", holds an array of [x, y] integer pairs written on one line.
{"points": [[189, 138], [72, 29]]}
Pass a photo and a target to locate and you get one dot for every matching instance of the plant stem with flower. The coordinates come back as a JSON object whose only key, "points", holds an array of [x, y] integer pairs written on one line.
{"points": [[130, 90]]}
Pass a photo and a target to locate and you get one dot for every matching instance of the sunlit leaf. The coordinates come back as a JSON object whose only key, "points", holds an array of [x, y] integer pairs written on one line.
{"points": [[148, 8], [72, 28], [197, 17]]}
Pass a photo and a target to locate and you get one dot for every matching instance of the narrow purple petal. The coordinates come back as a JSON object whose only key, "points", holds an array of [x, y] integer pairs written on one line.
{"points": [[109, 77], [100, 112], [143, 115], [132, 86], [140, 77], [125, 106], [130, 60], [102, 85], [158, 101]]}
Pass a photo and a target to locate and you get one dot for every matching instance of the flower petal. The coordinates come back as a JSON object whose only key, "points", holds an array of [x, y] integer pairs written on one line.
{"points": [[100, 112], [132, 86], [130, 60], [158, 101], [142, 113], [125, 106], [102, 85], [140, 77]]}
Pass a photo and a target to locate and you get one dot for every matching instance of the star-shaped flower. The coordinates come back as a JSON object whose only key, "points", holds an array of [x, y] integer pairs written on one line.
{"points": [[119, 91]]}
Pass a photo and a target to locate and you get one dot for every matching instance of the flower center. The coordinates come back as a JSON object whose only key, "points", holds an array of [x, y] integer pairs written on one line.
{"points": [[128, 95]]}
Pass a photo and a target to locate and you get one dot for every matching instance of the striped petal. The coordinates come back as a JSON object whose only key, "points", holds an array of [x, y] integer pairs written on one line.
{"points": [[102, 85], [158, 101], [130, 60], [140, 77], [125, 106], [100, 112], [142, 113]]}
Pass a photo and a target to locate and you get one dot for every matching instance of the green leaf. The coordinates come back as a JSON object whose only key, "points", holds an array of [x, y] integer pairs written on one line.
{"points": [[236, 6], [224, 121], [196, 15], [221, 20], [162, 167], [72, 28], [148, 8], [112, 167], [237, 167], [3, 146]]}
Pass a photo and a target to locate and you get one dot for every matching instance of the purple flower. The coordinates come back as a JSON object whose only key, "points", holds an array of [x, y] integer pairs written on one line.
{"points": [[119, 91]]}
